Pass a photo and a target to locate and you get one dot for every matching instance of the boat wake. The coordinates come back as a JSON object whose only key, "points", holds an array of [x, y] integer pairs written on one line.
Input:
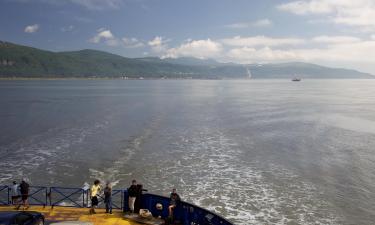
{"points": [[210, 172], [40, 152]]}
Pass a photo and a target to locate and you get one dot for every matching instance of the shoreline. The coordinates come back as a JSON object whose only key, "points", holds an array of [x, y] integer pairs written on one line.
{"points": [[145, 79]]}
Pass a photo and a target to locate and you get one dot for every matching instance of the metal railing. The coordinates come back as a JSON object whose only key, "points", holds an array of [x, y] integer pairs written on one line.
{"points": [[4, 195], [61, 196], [38, 195], [185, 213], [117, 199], [69, 197]]}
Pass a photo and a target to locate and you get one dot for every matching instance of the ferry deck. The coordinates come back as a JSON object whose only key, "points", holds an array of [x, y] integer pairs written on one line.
{"points": [[58, 214]]}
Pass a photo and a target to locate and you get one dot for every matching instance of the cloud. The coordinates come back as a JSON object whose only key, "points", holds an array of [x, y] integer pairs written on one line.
{"points": [[132, 43], [106, 36], [335, 39], [158, 44], [199, 49], [262, 23], [309, 7], [237, 25], [99, 4], [258, 23], [88, 4], [359, 55], [32, 28], [262, 55], [358, 13], [261, 41], [69, 28]]}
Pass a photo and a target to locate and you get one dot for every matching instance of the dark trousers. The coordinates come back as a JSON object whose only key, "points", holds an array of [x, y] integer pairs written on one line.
{"points": [[108, 205]]}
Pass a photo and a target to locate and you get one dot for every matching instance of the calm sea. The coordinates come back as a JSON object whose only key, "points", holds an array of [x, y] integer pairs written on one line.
{"points": [[256, 152]]}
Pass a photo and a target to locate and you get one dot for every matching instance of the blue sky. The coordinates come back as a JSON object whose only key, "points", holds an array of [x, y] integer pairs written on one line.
{"points": [[328, 32]]}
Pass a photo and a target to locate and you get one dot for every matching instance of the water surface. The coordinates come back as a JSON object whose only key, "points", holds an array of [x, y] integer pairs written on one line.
{"points": [[257, 152]]}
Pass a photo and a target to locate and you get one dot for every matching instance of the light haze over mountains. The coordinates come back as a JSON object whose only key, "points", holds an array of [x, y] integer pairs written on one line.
{"points": [[325, 32], [23, 61]]}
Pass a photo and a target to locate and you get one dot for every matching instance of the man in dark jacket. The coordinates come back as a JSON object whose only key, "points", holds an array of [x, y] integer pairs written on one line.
{"points": [[132, 191], [24, 189], [108, 198], [174, 199]]}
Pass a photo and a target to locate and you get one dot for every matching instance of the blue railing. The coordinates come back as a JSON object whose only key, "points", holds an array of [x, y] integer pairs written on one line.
{"points": [[117, 199], [69, 197], [185, 213], [4, 195], [38, 195], [61, 196]]}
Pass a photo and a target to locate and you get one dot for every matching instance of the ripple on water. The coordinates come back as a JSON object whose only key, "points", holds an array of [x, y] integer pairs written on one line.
{"points": [[22, 158], [212, 174]]}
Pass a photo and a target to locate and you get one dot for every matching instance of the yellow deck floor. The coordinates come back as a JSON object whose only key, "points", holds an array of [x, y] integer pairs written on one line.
{"points": [[77, 214]]}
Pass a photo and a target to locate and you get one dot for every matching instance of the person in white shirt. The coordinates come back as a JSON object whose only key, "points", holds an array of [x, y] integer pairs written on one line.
{"points": [[15, 193]]}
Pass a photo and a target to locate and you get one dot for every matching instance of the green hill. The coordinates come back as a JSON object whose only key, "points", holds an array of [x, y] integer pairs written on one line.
{"points": [[22, 61]]}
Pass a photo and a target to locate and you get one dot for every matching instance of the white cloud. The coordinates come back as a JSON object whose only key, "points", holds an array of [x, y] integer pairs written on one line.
{"points": [[198, 49], [88, 4], [309, 7], [261, 41], [262, 23], [237, 25], [132, 43], [358, 13], [335, 39], [356, 55], [258, 23], [67, 28], [99, 4], [158, 44], [32, 28], [106, 36], [262, 55]]}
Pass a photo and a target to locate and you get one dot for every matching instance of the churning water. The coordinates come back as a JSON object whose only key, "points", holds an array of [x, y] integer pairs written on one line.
{"points": [[256, 152]]}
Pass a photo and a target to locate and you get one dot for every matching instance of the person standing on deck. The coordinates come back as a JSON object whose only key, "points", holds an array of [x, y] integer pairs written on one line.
{"points": [[108, 198], [132, 191], [95, 189], [174, 199], [15, 193], [24, 189]]}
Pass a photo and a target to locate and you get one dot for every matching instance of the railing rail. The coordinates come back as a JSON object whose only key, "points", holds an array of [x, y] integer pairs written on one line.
{"points": [[4, 195], [38, 195], [70, 197], [117, 199], [185, 213]]}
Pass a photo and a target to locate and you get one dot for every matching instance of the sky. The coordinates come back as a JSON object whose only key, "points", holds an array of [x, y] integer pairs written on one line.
{"points": [[335, 33]]}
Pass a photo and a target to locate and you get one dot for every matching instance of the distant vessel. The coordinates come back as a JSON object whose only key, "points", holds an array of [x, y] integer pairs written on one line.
{"points": [[296, 79]]}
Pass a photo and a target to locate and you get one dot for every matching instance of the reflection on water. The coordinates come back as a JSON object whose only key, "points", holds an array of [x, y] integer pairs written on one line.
{"points": [[257, 152]]}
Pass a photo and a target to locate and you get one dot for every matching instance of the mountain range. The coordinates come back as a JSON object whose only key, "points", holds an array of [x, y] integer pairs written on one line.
{"points": [[23, 61]]}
